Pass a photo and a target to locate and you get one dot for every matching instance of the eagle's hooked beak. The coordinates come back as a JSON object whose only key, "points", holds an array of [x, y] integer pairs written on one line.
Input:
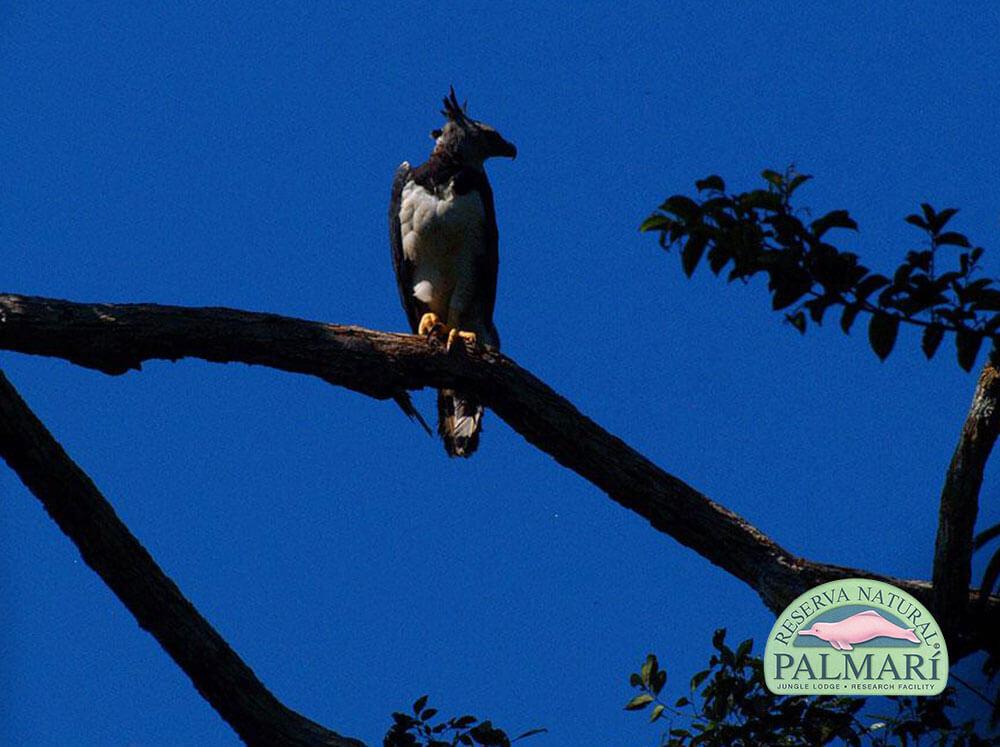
{"points": [[501, 147]]}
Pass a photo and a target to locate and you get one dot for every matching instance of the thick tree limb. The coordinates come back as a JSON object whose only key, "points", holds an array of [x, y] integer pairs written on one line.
{"points": [[960, 498], [108, 547], [117, 338]]}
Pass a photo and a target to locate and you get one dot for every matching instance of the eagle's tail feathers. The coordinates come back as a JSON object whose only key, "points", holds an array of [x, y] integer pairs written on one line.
{"points": [[459, 423]]}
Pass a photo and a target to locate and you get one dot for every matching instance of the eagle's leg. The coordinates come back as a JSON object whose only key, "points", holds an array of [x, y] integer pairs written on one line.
{"points": [[454, 334], [462, 312], [431, 326]]}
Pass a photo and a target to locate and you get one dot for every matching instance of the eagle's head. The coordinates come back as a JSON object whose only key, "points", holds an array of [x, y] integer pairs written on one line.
{"points": [[467, 140]]}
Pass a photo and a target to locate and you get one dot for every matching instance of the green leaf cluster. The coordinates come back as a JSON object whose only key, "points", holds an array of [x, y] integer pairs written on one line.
{"points": [[758, 232]]}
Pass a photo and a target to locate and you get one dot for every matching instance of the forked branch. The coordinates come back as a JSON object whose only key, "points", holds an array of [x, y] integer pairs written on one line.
{"points": [[117, 338], [960, 499]]}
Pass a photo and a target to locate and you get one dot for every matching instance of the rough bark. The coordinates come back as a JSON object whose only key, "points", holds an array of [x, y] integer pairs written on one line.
{"points": [[107, 546], [960, 499], [117, 338]]}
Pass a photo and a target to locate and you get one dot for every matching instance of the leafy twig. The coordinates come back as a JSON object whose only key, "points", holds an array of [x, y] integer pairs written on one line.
{"points": [[759, 232]]}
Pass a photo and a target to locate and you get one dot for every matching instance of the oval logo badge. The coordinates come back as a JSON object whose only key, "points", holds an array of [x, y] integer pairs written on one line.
{"points": [[856, 637]]}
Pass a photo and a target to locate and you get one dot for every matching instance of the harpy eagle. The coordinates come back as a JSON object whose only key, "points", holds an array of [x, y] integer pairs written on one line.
{"points": [[443, 232]]}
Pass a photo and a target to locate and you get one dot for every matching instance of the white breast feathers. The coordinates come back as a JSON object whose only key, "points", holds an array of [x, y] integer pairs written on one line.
{"points": [[441, 234]]}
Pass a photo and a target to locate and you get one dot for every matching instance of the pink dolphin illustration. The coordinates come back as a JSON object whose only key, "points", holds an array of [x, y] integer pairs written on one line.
{"points": [[857, 629]]}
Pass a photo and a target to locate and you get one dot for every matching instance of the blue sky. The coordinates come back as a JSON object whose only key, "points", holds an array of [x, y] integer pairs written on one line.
{"points": [[241, 154]]}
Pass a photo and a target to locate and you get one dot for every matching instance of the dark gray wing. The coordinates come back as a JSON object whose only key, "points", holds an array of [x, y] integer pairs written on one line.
{"points": [[487, 262], [490, 263], [400, 264], [404, 278]]}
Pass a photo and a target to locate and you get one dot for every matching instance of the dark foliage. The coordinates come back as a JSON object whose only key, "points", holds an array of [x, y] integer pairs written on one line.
{"points": [[991, 578], [418, 730], [729, 706], [936, 287], [989, 585]]}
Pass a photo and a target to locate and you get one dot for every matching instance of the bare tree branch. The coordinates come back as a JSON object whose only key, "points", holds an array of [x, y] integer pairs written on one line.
{"points": [[960, 499], [116, 338], [108, 547]]}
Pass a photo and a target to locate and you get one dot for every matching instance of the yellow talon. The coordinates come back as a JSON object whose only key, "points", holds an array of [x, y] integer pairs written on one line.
{"points": [[429, 324], [454, 334]]}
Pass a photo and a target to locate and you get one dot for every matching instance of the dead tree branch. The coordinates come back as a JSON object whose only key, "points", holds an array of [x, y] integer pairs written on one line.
{"points": [[117, 338], [107, 546], [960, 499]]}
